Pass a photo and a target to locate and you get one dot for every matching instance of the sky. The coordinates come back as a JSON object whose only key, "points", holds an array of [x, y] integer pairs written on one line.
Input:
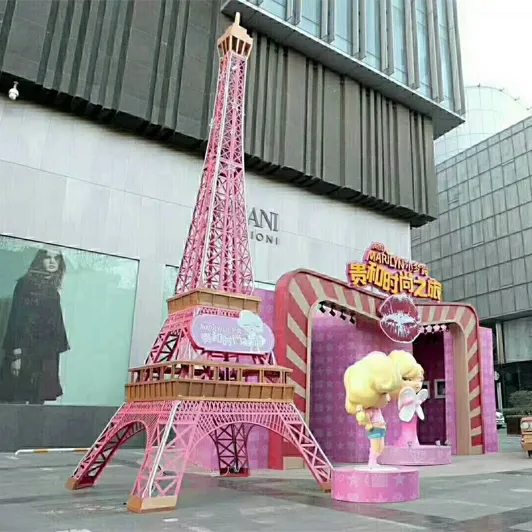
{"points": [[496, 38]]}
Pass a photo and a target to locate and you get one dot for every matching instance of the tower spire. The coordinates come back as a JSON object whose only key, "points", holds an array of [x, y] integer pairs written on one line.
{"points": [[217, 254]]}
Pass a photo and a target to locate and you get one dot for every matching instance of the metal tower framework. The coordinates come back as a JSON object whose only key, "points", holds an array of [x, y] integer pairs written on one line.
{"points": [[183, 393], [217, 254]]}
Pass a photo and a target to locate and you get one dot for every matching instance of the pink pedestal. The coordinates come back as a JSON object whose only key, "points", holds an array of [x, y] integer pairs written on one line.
{"points": [[381, 485], [423, 455]]}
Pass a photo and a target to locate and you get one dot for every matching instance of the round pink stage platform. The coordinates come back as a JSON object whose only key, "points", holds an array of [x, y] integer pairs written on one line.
{"points": [[380, 485], [424, 455]]}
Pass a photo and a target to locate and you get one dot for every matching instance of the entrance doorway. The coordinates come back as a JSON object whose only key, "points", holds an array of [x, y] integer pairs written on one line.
{"points": [[429, 351]]}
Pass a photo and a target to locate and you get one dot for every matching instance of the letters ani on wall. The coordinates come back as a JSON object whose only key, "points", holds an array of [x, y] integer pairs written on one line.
{"points": [[263, 226]]}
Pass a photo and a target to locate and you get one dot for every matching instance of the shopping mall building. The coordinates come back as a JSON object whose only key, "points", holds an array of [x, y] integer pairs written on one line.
{"points": [[101, 155], [480, 246]]}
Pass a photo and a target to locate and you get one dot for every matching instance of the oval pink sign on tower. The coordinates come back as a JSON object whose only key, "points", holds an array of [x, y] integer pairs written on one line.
{"points": [[247, 334]]}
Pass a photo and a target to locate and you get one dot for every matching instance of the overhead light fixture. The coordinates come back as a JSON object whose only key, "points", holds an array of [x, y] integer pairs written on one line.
{"points": [[321, 307], [331, 312], [352, 319], [343, 316]]}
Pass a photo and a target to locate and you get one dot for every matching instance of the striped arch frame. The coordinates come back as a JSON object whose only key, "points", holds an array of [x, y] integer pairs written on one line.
{"points": [[298, 292]]}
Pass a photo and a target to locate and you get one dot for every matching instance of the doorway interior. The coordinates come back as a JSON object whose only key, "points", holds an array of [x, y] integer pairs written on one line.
{"points": [[429, 351]]}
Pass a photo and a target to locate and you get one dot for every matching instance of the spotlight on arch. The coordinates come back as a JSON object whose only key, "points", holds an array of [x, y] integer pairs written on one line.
{"points": [[352, 319], [343, 316], [322, 307], [331, 312]]}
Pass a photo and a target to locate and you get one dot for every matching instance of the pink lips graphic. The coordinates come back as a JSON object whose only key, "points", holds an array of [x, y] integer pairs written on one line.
{"points": [[400, 319]]}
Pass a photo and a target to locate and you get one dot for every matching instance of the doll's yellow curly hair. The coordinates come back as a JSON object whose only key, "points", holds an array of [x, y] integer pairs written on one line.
{"points": [[407, 366], [366, 381]]}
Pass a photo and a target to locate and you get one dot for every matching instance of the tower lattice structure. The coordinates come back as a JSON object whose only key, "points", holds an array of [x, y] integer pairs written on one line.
{"points": [[184, 393]]}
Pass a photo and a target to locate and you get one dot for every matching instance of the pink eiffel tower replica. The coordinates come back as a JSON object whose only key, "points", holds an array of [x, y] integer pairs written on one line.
{"points": [[211, 372]]}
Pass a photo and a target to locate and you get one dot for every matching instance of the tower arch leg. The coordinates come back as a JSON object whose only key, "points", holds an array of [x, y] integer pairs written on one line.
{"points": [[231, 442], [171, 446], [128, 421], [118, 431], [168, 452]]}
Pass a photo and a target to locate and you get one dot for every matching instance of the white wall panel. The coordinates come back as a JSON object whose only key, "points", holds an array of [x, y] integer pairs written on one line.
{"points": [[74, 183]]}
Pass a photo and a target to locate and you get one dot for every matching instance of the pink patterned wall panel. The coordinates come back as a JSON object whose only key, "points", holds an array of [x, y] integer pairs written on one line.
{"points": [[337, 344], [488, 391], [258, 442], [491, 438], [450, 400], [429, 352]]}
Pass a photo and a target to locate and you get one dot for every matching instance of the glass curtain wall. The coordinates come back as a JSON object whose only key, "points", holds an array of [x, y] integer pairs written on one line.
{"points": [[311, 21]]}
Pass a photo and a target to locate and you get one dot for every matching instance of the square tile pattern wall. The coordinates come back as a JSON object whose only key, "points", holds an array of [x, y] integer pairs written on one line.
{"points": [[480, 247]]}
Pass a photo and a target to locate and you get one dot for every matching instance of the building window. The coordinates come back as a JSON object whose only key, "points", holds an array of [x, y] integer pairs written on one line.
{"points": [[423, 48], [343, 25], [270, 287], [399, 32], [373, 33], [517, 340], [445, 49], [171, 274], [311, 17], [275, 7], [66, 320]]}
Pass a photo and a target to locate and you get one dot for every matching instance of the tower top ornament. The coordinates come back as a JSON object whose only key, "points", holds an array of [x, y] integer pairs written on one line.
{"points": [[235, 39]]}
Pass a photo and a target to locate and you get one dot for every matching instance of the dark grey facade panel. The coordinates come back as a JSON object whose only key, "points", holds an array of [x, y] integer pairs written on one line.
{"points": [[456, 60], [362, 40], [54, 424], [412, 61], [150, 65], [439, 69], [356, 29], [482, 240]]}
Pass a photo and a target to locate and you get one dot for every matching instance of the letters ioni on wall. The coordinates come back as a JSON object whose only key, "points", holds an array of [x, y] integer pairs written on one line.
{"points": [[263, 226]]}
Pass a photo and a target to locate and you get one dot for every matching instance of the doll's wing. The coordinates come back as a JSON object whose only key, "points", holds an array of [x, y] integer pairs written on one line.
{"points": [[407, 405], [407, 395], [422, 396]]}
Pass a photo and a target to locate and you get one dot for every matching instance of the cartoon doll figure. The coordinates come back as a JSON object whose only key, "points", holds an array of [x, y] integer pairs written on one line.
{"points": [[254, 327], [368, 385], [410, 397]]}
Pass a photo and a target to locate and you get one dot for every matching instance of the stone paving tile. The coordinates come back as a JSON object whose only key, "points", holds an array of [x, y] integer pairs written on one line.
{"points": [[526, 527], [33, 499]]}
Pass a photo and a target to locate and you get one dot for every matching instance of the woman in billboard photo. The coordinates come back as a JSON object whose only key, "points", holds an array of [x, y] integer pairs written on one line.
{"points": [[35, 336]]}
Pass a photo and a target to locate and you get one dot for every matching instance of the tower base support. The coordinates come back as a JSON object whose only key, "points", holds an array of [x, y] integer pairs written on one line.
{"points": [[139, 505], [173, 431]]}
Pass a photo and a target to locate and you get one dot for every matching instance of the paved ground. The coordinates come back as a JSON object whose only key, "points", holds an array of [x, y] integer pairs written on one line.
{"points": [[484, 494]]}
